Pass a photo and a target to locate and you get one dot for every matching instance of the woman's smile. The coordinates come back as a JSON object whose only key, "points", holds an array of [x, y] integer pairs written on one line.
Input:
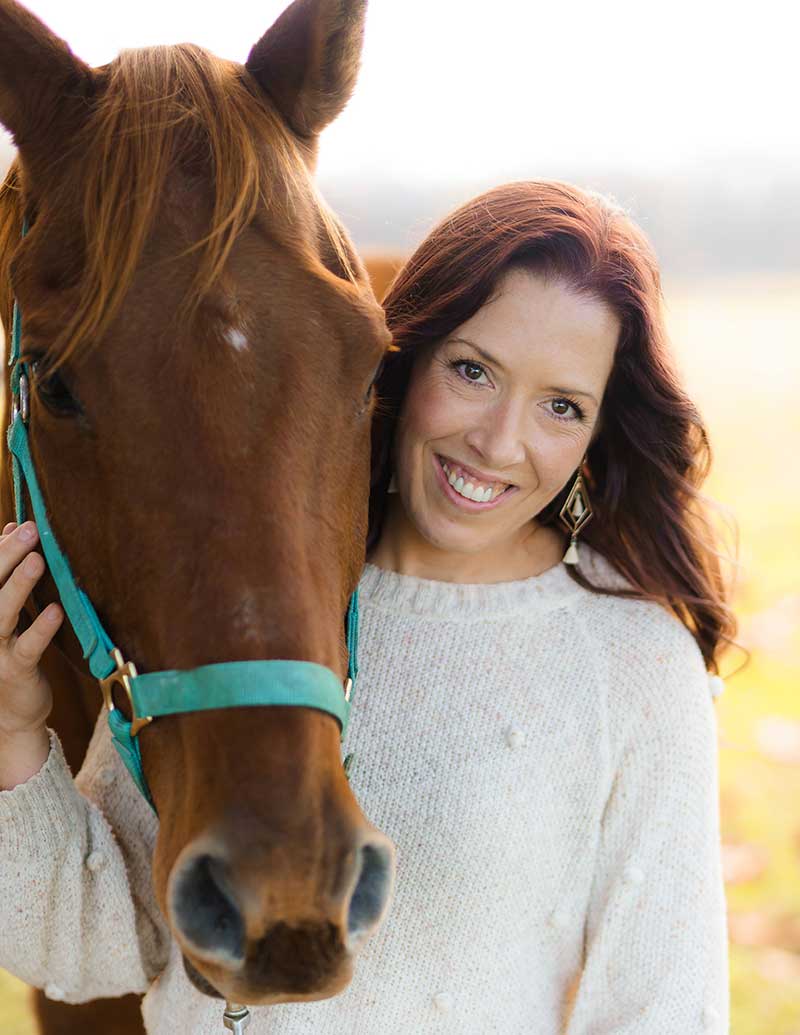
{"points": [[462, 486]]}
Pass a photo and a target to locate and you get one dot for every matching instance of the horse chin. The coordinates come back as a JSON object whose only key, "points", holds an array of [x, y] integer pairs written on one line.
{"points": [[199, 982], [271, 997]]}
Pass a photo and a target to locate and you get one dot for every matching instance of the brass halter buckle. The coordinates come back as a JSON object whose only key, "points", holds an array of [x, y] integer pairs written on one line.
{"points": [[125, 672]]}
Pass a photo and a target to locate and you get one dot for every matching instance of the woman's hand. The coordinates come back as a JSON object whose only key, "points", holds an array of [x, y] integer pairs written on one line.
{"points": [[25, 694]]}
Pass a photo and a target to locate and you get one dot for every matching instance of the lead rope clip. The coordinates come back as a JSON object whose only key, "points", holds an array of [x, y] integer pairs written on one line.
{"points": [[236, 1018]]}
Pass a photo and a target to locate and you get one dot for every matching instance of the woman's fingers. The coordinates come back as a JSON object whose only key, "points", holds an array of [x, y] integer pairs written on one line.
{"points": [[31, 644], [25, 695], [28, 648], [16, 591], [15, 545]]}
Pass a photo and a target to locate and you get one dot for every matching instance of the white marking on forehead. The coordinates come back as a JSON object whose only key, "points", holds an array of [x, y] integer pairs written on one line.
{"points": [[247, 617], [234, 337]]}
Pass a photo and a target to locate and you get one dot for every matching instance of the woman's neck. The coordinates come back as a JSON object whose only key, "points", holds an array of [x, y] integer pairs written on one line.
{"points": [[402, 549]]}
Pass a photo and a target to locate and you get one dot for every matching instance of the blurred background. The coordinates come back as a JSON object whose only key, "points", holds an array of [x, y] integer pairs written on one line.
{"points": [[685, 114]]}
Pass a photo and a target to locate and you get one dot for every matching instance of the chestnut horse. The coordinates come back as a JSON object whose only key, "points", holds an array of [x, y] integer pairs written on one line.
{"points": [[205, 341]]}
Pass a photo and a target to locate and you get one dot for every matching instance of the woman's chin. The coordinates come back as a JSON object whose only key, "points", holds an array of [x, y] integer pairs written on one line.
{"points": [[451, 537]]}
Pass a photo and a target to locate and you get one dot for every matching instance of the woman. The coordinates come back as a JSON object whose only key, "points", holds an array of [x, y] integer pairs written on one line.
{"points": [[542, 596]]}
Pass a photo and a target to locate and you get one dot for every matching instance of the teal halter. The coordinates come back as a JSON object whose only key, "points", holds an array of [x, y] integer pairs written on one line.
{"points": [[232, 684]]}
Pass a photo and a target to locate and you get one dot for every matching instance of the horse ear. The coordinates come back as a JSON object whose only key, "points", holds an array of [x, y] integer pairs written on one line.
{"points": [[41, 83], [308, 61]]}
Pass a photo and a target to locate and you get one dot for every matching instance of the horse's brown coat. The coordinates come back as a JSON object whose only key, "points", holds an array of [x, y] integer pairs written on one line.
{"points": [[211, 500]]}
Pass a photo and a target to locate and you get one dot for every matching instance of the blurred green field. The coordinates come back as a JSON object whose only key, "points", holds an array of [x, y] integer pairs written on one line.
{"points": [[738, 344]]}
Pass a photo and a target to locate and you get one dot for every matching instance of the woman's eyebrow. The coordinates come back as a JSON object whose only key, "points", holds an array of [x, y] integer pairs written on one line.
{"points": [[496, 362], [481, 352]]}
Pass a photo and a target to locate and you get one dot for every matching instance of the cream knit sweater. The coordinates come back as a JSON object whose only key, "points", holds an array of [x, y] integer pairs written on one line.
{"points": [[544, 759]]}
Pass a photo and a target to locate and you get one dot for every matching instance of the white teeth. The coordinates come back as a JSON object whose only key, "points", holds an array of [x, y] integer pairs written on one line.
{"points": [[473, 492], [470, 491]]}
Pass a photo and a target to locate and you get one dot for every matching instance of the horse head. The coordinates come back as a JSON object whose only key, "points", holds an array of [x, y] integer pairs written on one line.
{"points": [[203, 341]]}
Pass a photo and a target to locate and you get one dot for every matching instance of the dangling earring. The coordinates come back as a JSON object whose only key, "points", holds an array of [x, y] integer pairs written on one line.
{"points": [[392, 484], [576, 512]]}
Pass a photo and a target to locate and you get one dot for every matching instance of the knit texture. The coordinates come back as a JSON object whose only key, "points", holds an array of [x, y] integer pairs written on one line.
{"points": [[544, 759]]}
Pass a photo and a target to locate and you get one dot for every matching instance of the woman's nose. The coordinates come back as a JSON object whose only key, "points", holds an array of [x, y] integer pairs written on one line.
{"points": [[500, 437]]}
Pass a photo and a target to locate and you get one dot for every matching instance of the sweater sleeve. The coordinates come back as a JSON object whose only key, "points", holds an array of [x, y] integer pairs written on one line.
{"points": [[72, 916], [656, 956]]}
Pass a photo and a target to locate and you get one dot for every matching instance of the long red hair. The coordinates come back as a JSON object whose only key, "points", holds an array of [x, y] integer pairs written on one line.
{"points": [[645, 466]]}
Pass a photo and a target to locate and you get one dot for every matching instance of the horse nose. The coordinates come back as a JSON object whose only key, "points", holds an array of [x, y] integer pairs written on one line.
{"points": [[213, 920], [205, 909], [372, 890]]}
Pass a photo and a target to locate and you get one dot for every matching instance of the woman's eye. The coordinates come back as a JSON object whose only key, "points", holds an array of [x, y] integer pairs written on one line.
{"points": [[562, 407], [469, 371]]}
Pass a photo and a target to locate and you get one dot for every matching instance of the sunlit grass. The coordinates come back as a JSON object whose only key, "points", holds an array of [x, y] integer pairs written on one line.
{"points": [[739, 350], [738, 342]]}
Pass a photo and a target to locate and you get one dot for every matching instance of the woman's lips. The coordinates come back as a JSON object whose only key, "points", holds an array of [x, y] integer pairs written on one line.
{"points": [[474, 475], [462, 501]]}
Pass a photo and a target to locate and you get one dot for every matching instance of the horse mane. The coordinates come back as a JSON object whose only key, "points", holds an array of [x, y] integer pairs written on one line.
{"points": [[159, 105], [10, 229]]}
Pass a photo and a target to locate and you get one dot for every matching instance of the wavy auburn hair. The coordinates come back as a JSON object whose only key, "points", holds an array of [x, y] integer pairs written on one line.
{"points": [[645, 465]]}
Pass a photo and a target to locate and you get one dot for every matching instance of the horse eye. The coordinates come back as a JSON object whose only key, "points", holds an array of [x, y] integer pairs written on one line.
{"points": [[53, 390], [374, 381]]}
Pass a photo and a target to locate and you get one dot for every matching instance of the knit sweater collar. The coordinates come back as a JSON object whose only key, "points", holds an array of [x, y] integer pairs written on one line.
{"points": [[391, 591]]}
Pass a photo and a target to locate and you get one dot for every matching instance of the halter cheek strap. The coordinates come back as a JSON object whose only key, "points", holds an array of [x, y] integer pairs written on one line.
{"points": [[230, 684]]}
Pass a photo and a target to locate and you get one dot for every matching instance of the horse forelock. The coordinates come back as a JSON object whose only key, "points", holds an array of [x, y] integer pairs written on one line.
{"points": [[154, 108]]}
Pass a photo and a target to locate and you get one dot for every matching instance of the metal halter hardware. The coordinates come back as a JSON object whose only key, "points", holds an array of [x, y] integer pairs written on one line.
{"points": [[236, 1018], [228, 684]]}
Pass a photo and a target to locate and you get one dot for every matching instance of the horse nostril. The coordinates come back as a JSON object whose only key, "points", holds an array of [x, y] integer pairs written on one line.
{"points": [[371, 895], [204, 909]]}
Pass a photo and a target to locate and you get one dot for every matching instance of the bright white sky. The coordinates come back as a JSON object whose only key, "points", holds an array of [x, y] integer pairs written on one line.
{"points": [[466, 89]]}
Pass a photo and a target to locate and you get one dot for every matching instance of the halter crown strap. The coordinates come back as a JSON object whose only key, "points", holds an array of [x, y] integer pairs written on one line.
{"points": [[151, 694]]}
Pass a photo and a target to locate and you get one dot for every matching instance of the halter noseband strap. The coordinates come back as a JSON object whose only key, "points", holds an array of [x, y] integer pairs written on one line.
{"points": [[230, 684]]}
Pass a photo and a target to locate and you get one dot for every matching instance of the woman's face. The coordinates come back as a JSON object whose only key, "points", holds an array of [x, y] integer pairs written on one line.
{"points": [[503, 411]]}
